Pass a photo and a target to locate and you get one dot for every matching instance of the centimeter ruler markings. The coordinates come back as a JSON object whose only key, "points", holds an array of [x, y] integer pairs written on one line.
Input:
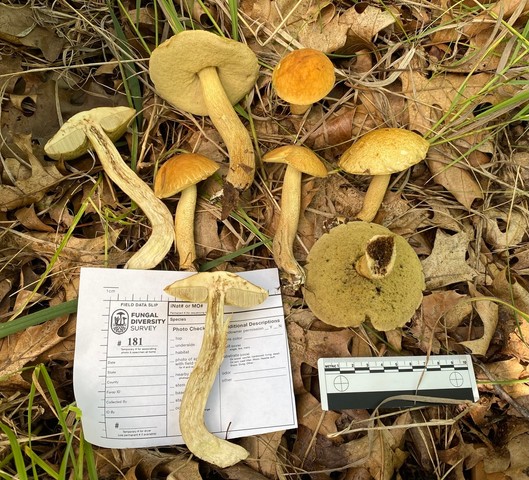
{"points": [[364, 382]]}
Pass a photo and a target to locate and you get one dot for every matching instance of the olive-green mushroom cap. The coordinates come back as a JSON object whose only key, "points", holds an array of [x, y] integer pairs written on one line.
{"points": [[174, 67], [339, 296]]}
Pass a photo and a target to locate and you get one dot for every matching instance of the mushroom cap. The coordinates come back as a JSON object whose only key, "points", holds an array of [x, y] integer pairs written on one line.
{"points": [[301, 158], [71, 142], [339, 296], [384, 151], [182, 171], [238, 291], [303, 76], [174, 65]]}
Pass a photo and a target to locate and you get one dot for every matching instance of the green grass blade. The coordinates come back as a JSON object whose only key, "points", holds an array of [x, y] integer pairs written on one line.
{"points": [[37, 318], [171, 15], [228, 257], [41, 463], [233, 5], [16, 450]]}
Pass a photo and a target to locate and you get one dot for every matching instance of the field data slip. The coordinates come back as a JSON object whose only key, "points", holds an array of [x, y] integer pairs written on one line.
{"points": [[136, 346]]}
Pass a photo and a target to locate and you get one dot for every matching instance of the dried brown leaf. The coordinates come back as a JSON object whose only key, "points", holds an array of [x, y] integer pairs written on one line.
{"points": [[447, 264], [263, 452], [307, 346], [488, 312], [454, 177], [18, 26]]}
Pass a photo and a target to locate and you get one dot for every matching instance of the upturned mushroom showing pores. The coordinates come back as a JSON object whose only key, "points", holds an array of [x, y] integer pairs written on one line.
{"points": [[380, 153], [204, 74], [216, 289], [387, 294], [99, 128]]}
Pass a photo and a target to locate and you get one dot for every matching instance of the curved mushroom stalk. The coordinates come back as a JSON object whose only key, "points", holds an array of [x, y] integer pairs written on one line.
{"points": [[99, 127], [282, 246], [238, 143], [299, 160], [217, 289]]}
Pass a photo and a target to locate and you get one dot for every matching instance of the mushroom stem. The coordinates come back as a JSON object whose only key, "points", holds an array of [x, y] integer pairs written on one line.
{"points": [[299, 109], [236, 137], [282, 246], [197, 438], [161, 239], [379, 258], [184, 224], [373, 198]]}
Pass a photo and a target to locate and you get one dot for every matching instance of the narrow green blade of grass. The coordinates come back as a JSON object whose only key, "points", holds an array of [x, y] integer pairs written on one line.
{"points": [[37, 318], [233, 5], [41, 463], [16, 450], [169, 10], [90, 459], [228, 257]]}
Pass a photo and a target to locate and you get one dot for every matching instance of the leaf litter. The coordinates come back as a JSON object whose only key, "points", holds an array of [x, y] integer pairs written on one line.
{"points": [[454, 72]]}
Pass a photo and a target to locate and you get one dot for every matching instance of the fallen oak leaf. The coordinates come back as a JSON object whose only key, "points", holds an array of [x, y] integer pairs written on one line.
{"points": [[28, 191], [453, 176], [488, 312], [446, 264]]}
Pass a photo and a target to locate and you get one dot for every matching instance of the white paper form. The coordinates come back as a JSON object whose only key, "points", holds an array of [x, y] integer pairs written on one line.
{"points": [[136, 346]]}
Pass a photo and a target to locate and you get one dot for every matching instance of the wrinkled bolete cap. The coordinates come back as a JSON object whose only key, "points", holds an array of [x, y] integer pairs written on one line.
{"points": [[303, 76], [384, 151], [174, 65], [338, 295]]}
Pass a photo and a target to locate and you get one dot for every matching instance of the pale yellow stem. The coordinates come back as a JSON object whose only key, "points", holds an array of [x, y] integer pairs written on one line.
{"points": [[283, 244], [162, 235], [227, 122], [184, 225], [299, 109], [198, 439], [373, 198]]}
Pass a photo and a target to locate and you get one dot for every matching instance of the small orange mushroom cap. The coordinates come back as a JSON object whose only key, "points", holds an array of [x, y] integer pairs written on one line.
{"points": [[182, 171], [303, 76]]}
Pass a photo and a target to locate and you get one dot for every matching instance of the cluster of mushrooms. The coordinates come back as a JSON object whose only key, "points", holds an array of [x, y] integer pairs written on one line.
{"points": [[357, 271]]}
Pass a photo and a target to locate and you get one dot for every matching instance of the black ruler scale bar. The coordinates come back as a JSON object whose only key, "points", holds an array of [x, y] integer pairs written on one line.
{"points": [[352, 383]]}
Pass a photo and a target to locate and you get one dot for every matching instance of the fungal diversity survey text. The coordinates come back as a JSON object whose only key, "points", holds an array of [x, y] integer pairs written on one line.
{"points": [[135, 347]]}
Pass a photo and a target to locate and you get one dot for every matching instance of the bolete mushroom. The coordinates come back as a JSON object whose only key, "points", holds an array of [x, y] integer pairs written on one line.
{"points": [[299, 160], [303, 77], [204, 74], [181, 173], [99, 128], [216, 289], [380, 153], [362, 271]]}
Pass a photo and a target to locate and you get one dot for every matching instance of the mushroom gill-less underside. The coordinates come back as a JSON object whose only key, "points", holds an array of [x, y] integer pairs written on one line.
{"points": [[338, 295]]}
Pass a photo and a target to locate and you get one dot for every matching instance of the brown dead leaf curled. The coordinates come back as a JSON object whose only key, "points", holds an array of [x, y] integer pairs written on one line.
{"points": [[44, 176], [447, 264], [441, 312], [454, 177], [263, 452], [488, 312], [19, 27], [508, 237], [307, 346], [516, 328]]}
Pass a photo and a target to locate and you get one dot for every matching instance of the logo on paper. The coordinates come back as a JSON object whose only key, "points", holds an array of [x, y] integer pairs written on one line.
{"points": [[119, 321]]}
